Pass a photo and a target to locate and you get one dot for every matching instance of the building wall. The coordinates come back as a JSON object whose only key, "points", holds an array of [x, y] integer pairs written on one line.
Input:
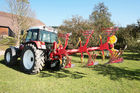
{"points": [[3, 31]]}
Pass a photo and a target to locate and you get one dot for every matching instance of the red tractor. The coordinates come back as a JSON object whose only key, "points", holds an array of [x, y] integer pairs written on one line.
{"points": [[41, 48], [34, 52]]}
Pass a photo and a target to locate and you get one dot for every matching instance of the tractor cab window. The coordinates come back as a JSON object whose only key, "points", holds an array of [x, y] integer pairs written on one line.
{"points": [[47, 36], [44, 36], [29, 36], [32, 35], [53, 37]]}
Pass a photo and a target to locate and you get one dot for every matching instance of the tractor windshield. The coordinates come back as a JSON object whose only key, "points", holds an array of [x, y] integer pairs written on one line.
{"points": [[46, 36]]}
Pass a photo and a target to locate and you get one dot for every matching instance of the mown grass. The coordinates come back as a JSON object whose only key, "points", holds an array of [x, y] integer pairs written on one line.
{"points": [[115, 78]]}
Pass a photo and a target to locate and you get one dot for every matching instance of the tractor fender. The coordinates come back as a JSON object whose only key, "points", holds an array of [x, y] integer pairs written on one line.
{"points": [[14, 50], [39, 44], [36, 43]]}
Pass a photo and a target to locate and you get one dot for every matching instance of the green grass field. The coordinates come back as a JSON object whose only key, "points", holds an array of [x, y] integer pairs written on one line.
{"points": [[115, 78]]}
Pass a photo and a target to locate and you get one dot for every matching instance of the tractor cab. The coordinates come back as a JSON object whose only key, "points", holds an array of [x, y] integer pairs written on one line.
{"points": [[42, 35], [45, 34]]}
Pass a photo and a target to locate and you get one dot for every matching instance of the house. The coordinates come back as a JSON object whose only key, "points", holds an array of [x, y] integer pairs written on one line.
{"points": [[6, 31], [7, 27]]}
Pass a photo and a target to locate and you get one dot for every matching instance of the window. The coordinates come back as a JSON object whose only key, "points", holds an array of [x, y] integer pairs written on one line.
{"points": [[46, 36], [29, 36], [34, 37], [53, 37]]}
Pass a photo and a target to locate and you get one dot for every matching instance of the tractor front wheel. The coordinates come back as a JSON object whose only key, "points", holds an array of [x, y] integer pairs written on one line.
{"points": [[9, 59]]}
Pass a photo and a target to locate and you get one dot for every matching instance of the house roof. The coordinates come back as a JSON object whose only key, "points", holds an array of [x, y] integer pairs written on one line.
{"points": [[6, 20]]}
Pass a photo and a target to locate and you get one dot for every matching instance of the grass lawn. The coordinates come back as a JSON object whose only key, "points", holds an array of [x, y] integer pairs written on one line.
{"points": [[115, 78]]}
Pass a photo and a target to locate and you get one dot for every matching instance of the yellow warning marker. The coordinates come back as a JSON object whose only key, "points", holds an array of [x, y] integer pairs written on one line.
{"points": [[113, 39], [60, 61], [81, 59], [59, 43], [103, 56], [79, 41], [100, 36]]}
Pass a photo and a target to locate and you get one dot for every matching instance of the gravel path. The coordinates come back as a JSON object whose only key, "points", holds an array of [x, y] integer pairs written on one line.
{"points": [[2, 52]]}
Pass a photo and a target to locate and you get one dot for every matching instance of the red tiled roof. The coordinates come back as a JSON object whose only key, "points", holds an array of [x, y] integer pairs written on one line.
{"points": [[6, 20]]}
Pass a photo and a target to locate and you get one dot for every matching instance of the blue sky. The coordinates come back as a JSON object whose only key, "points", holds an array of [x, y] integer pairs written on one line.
{"points": [[54, 12]]}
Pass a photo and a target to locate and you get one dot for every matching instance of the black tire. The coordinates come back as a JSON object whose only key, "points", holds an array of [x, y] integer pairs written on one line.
{"points": [[8, 58], [37, 58], [58, 66]]}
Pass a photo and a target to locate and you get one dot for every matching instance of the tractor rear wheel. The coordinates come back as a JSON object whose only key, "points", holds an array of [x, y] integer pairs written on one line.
{"points": [[32, 59], [9, 59]]}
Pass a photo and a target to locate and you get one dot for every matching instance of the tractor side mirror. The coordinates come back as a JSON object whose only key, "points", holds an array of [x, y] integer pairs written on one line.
{"points": [[22, 32]]}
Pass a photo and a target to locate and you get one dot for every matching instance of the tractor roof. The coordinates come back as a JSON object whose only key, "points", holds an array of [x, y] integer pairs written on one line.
{"points": [[46, 28]]}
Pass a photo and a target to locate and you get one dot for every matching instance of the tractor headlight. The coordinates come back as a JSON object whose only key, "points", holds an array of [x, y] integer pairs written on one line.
{"points": [[43, 46]]}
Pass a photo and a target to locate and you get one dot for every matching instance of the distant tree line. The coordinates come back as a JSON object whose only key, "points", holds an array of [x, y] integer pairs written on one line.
{"points": [[129, 35]]}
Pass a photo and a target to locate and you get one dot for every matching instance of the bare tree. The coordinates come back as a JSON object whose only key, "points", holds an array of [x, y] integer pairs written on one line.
{"points": [[21, 16]]}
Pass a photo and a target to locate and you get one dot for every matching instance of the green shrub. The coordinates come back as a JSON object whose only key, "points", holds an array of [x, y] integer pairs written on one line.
{"points": [[8, 41]]}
